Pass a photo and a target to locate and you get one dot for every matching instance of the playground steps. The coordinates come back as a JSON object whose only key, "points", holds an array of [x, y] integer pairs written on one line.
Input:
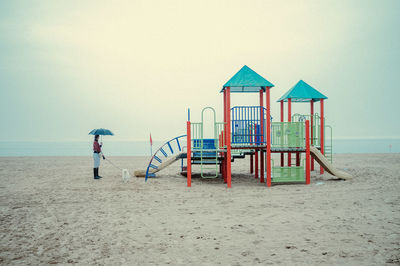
{"points": [[328, 153]]}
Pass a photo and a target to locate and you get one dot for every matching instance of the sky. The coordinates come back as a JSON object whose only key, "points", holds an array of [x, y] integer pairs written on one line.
{"points": [[135, 67]]}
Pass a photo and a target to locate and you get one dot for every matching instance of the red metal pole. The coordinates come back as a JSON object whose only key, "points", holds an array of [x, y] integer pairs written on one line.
{"points": [[251, 164], [188, 156], [312, 130], [225, 130], [308, 172], [322, 133], [228, 139], [219, 147], [262, 166], [255, 153], [268, 135], [297, 158], [289, 120], [262, 136], [282, 154]]}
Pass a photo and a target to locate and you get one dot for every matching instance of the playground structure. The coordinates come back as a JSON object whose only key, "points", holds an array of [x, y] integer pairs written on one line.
{"points": [[251, 131]]}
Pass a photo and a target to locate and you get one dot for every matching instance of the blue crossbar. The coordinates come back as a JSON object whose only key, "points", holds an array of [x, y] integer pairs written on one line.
{"points": [[179, 145], [158, 159], [151, 175], [163, 152], [169, 145], [153, 166]]}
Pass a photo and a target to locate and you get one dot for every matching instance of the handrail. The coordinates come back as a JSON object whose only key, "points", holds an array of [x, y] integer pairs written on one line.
{"points": [[150, 165]]}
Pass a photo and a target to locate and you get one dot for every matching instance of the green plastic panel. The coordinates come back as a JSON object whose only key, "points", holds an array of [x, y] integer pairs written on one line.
{"points": [[288, 174], [287, 135]]}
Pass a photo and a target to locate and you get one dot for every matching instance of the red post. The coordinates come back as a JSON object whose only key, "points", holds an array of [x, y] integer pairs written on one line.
{"points": [[262, 166], [282, 154], [308, 152], [255, 153], [268, 135], [225, 130], [228, 139], [188, 156], [289, 120], [312, 131], [251, 164], [322, 141], [262, 136]]}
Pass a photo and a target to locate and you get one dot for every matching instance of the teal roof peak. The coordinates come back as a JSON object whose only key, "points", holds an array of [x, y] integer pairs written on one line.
{"points": [[247, 80], [302, 92]]}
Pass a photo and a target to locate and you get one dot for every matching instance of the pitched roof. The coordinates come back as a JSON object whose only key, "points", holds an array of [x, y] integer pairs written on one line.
{"points": [[302, 92], [247, 80]]}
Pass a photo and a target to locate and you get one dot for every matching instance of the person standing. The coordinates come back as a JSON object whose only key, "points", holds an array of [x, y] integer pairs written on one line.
{"points": [[96, 156]]}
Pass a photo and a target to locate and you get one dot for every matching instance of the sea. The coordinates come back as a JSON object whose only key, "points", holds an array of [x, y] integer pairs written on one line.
{"points": [[143, 148]]}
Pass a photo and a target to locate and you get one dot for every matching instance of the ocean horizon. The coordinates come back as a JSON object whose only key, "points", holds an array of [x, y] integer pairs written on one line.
{"points": [[142, 148]]}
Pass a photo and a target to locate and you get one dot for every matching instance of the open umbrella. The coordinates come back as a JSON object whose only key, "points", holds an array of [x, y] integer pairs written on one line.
{"points": [[101, 131]]}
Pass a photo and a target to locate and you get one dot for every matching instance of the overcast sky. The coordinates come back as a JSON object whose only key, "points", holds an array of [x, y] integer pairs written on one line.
{"points": [[136, 66]]}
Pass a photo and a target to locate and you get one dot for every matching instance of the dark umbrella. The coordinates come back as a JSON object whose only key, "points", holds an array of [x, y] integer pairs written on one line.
{"points": [[101, 131]]}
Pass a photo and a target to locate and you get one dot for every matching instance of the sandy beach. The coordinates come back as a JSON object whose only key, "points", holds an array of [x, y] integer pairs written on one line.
{"points": [[54, 212]]}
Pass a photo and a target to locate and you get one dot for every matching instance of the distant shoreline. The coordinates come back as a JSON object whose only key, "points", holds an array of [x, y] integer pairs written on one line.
{"points": [[142, 148]]}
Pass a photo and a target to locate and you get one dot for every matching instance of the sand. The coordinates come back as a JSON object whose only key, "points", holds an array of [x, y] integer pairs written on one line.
{"points": [[53, 212]]}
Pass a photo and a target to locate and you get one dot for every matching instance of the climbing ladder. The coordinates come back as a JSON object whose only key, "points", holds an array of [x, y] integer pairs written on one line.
{"points": [[206, 150]]}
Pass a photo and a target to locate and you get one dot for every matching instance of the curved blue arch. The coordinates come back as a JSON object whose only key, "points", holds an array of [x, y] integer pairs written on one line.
{"points": [[167, 147]]}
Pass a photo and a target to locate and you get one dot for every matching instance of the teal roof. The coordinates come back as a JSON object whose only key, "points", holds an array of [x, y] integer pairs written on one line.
{"points": [[247, 80], [302, 92]]}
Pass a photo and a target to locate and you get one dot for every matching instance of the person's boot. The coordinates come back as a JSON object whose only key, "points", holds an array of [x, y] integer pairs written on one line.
{"points": [[98, 177], [96, 173]]}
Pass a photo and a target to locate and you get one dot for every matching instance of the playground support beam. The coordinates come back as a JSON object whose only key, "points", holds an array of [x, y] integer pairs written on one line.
{"points": [[255, 153], [188, 156], [228, 140], [322, 140], [282, 154], [308, 172], [251, 164], [312, 130], [262, 136], [268, 135], [289, 120], [225, 131]]}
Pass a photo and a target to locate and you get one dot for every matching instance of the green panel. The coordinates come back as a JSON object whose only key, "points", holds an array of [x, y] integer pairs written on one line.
{"points": [[287, 135], [288, 174]]}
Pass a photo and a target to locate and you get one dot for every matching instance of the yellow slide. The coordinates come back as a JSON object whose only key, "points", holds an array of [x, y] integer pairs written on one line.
{"points": [[321, 159]]}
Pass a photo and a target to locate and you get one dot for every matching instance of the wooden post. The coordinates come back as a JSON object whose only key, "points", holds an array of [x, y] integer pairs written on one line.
{"points": [[308, 152], [268, 135], [322, 141]]}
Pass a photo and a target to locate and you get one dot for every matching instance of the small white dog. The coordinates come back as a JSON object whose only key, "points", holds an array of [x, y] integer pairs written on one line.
{"points": [[125, 175]]}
